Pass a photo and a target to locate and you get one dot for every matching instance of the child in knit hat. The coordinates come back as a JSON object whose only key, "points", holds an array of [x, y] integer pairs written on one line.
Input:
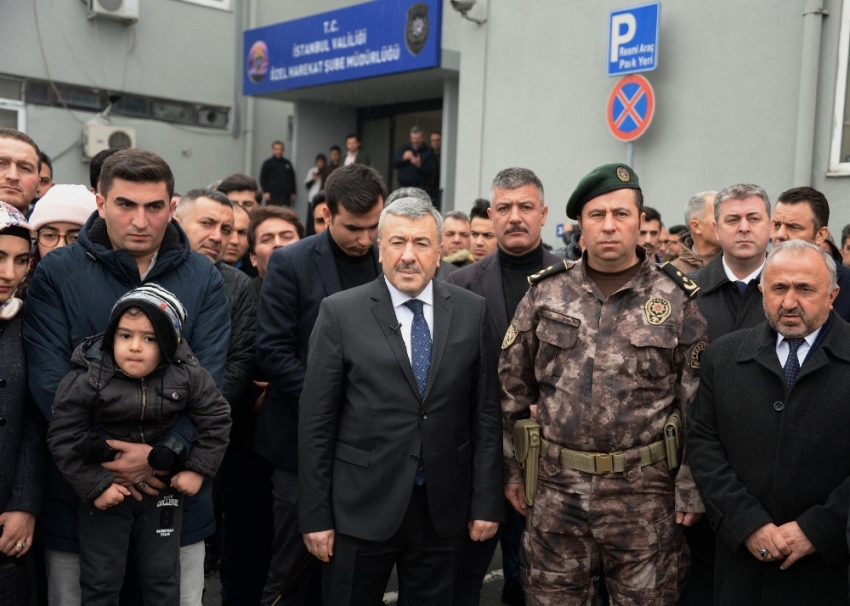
{"points": [[131, 383]]}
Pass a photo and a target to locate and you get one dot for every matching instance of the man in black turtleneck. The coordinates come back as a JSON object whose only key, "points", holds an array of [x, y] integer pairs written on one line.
{"points": [[298, 278], [518, 214]]}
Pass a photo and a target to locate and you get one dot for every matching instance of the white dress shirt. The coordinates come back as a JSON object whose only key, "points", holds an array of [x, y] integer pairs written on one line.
{"points": [[783, 349], [350, 158], [733, 278], [404, 314]]}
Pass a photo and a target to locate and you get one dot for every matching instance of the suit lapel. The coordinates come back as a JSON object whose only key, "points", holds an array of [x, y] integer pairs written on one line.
{"points": [[382, 308], [490, 279], [443, 309], [326, 266], [761, 347]]}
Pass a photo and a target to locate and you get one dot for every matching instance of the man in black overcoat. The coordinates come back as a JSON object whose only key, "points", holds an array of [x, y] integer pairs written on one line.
{"points": [[768, 444]]}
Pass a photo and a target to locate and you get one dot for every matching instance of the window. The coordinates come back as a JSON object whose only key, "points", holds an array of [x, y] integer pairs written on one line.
{"points": [[839, 156], [41, 92], [11, 104]]}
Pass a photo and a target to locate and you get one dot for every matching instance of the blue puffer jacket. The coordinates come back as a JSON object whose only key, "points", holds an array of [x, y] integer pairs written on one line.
{"points": [[70, 298]]}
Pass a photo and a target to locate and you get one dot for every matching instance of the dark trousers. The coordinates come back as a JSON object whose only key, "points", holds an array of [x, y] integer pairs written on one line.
{"points": [[477, 556], [287, 546], [511, 534], [284, 199], [699, 590], [154, 524], [247, 528], [427, 564]]}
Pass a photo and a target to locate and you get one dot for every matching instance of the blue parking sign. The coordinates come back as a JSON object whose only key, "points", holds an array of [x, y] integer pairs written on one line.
{"points": [[633, 39]]}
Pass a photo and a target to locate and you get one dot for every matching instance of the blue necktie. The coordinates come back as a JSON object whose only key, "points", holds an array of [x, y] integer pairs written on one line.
{"points": [[420, 360], [742, 287], [792, 364]]}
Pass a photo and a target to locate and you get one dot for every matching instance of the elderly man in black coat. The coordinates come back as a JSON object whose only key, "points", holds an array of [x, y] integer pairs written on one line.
{"points": [[768, 444]]}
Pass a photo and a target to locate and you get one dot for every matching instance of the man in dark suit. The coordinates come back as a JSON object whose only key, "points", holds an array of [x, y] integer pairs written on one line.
{"points": [[729, 299], [518, 216], [768, 444], [802, 213], [298, 278], [416, 163], [399, 442], [277, 178], [355, 155]]}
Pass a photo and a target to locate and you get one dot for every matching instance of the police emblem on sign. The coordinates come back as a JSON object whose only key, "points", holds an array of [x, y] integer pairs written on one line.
{"points": [[657, 310], [416, 29]]}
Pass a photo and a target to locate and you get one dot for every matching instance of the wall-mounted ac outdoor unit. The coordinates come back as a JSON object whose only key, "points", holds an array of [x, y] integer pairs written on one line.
{"points": [[122, 10], [97, 137]]}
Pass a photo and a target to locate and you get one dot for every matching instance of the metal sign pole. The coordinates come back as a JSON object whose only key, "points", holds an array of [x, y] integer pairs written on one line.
{"points": [[630, 154]]}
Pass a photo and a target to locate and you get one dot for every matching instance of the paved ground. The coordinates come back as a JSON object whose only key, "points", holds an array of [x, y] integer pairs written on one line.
{"points": [[490, 594]]}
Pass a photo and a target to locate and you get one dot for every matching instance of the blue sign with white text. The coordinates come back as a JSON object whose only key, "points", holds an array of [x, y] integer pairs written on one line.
{"points": [[633, 39], [363, 41]]}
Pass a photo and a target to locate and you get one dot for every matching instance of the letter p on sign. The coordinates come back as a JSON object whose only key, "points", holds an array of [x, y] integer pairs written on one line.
{"points": [[633, 39], [622, 35]]}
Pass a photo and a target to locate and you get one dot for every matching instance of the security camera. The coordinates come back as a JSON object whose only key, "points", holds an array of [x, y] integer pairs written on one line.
{"points": [[463, 6]]}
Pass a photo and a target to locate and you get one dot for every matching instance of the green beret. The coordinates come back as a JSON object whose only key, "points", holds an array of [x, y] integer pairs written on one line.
{"points": [[601, 180]]}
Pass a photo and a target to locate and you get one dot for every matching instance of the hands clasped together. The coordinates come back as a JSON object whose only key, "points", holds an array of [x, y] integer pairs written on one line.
{"points": [[771, 543]]}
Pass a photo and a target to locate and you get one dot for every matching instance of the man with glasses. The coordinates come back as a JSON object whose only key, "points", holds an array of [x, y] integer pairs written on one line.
{"points": [[59, 216]]}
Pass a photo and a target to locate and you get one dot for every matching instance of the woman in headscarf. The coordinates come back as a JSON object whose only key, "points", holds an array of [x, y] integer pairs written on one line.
{"points": [[21, 428]]}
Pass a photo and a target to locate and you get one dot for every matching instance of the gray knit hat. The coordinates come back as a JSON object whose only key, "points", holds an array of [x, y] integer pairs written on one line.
{"points": [[162, 308]]}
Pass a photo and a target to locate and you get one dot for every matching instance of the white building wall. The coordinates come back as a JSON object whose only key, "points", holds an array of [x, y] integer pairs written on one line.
{"points": [[177, 50], [533, 93]]}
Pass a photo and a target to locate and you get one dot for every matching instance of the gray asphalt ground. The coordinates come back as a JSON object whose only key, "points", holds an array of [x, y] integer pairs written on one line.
{"points": [[490, 594]]}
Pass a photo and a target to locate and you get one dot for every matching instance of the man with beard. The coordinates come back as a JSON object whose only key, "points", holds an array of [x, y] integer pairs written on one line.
{"points": [[768, 441]]}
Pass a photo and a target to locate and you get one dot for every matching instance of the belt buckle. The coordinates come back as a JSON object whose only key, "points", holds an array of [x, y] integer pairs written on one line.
{"points": [[604, 462]]}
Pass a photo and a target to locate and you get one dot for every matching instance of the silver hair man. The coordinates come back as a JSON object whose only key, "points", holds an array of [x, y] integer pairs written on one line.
{"points": [[407, 192], [696, 205], [798, 248], [413, 209]]}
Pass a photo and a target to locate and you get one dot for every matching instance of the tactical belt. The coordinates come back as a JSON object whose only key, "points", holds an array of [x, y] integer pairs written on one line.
{"points": [[605, 462]]}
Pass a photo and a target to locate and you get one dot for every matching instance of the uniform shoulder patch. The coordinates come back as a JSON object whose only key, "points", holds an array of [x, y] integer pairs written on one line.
{"points": [[551, 271], [682, 281], [510, 335], [696, 354]]}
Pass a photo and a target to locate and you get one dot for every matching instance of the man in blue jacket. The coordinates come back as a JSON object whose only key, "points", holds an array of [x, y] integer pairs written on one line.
{"points": [[130, 241]]}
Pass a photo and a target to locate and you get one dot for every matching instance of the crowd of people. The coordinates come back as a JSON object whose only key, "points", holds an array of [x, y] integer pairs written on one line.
{"points": [[648, 415], [417, 164]]}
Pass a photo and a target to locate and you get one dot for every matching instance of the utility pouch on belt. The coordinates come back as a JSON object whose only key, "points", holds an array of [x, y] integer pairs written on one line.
{"points": [[673, 439], [527, 451]]}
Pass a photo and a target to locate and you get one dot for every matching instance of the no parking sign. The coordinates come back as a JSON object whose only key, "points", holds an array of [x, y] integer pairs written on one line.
{"points": [[631, 106]]}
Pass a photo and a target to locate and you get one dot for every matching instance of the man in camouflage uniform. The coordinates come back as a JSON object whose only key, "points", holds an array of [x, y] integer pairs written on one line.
{"points": [[606, 348]]}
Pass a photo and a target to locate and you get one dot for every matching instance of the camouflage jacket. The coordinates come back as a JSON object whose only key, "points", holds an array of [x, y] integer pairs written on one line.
{"points": [[604, 374]]}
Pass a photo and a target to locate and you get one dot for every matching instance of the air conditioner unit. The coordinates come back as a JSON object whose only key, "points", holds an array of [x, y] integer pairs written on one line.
{"points": [[122, 10], [98, 137]]}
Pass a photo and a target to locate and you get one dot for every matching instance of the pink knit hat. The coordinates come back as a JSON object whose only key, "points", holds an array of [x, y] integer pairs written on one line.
{"points": [[64, 203]]}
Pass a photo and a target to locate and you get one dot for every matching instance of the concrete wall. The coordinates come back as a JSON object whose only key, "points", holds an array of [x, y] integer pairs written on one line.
{"points": [[316, 125], [176, 50], [533, 92], [197, 158]]}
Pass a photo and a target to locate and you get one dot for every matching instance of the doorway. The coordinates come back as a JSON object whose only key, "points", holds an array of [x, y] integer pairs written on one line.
{"points": [[385, 128]]}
